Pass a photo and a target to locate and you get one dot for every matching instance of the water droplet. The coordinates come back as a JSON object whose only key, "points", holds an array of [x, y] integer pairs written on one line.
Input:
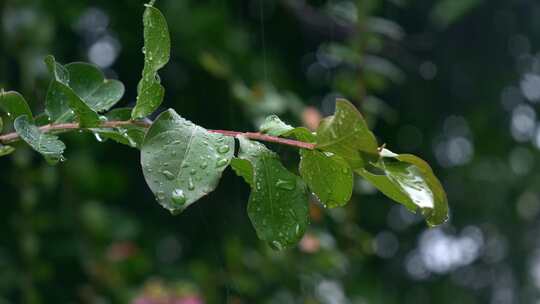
{"points": [[192, 171], [286, 185], [204, 165], [178, 197], [223, 149], [160, 195], [221, 162], [345, 170], [191, 186], [168, 174]]}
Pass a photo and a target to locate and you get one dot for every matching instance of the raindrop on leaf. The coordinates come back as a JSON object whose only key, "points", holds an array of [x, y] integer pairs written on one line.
{"points": [[178, 197]]}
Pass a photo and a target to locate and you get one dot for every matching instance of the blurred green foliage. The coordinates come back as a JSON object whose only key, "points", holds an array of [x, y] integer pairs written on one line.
{"points": [[453, 81]]}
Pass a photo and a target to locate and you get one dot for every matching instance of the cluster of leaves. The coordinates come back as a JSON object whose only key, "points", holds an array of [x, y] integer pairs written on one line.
{"points": [[183, 162]]}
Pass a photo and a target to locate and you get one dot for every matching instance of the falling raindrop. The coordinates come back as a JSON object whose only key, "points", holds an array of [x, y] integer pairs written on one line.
{"points": [[98, 137]]}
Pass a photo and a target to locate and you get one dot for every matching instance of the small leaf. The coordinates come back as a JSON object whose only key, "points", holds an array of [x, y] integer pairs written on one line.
{"points": [[410, 181], [62, 103], [58, 71], [329, 176], [90, 85], [63, 94], [6, 150], [244, 169], [278, 203], [46, 144], [157, 47], [346, 134], [181, 161], [132, 136], [274, 126], [14, 104]]}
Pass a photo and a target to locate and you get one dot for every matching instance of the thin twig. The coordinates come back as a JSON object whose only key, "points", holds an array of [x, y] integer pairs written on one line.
{"points": [[64, 127]]}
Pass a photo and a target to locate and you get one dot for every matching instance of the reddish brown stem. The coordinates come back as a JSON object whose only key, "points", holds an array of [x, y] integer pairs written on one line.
{"points": [[12, 137]]}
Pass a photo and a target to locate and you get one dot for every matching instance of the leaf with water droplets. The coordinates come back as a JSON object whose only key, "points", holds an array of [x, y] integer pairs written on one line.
{"points": [[179, 157], [346, 134], [90, 84], [278, 203], [132, 135], [329, 176], [410, 181], [274, 126], [46, 144], [14, 104], [157, 47], [62, 103]]}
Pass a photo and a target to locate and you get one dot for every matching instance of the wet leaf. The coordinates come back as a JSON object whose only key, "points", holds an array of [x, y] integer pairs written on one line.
{"points": [[62, 103], [274, 126], [6, 150], [157, 46], [410, 181], [346, 134], [278, 203], [329, 176], [181, 161], [14, 105], [244, 169], [48, 145], [132, 136], [89, 83]]}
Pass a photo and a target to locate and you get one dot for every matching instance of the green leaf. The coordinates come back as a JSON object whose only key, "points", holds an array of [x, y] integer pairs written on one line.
{"points": [[346, 134], [62, 102], [58, 71], [410, 181], [157, 47], [302, 134], [244, 169], [181, 161], [329, 176], [274, 126], [62, 94], [6, 150], [46, 144], [132, 136], [278, 203], [14, 104], [90, 84]]}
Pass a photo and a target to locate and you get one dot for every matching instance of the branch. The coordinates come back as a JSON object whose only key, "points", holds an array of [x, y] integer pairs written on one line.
{"points": [[64, 127]]}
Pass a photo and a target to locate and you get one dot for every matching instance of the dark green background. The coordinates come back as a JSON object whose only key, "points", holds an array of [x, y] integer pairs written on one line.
{"points": [[451, 86]]}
